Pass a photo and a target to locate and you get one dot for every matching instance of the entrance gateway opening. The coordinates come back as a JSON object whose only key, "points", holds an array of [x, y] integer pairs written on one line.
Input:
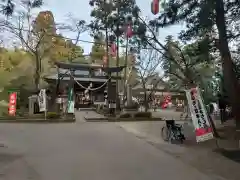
{"points": [[91, 83]]}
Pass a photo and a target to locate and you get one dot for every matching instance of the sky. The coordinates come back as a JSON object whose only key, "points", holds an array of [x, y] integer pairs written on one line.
{"points": [[80, 9]]}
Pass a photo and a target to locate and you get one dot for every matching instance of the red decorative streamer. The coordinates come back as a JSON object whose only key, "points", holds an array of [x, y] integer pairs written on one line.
{"points": [[113, 50], [129, 31], [155, 7], [12, 104]]}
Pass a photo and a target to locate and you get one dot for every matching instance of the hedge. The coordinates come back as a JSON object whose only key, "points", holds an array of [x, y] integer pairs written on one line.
{"points": [[143, 115], [126, 115]]}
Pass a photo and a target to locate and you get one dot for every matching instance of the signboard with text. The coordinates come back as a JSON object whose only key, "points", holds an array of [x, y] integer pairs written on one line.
{"points": [[201, 122], [42, 101]]}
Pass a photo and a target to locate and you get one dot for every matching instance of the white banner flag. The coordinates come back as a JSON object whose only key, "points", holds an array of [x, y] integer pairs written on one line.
{"points": [[203, 129], [42, 100]]}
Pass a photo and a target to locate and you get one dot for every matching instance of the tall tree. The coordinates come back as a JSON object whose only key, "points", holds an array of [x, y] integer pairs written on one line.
{"points": [[44, 26], [98, 49], [212, 20], [63, 49], [77, 27], [118, 21], [147, 65], [75, 52], [44, 22], [14, 64], [188, 65], [33, 39], [8, 6], [117, 18]]}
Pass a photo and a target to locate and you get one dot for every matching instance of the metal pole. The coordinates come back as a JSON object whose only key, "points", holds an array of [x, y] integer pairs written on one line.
{"points": [[106, 34], [125, 64], [117, 62], [45, 114], [107, 54], [57, 91]]}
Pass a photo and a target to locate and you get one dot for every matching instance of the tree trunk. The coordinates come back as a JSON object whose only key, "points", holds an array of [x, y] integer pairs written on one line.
{"points": [[37, 74], [145, 100], [229, 76], [37, 80], [117, 81]]}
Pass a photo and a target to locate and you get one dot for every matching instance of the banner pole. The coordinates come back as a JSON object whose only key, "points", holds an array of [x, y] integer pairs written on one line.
{"points": [[45, 114]]}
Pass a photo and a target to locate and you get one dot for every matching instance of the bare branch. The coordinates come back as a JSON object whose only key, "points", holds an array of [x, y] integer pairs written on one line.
{"points": [[147, 64], [22, 29], [163, 49], [76, 26]]}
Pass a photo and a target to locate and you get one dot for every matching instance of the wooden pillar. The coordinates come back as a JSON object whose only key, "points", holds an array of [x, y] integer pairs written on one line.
{"points": [[70, 105], [58, 81], [129, 95]]}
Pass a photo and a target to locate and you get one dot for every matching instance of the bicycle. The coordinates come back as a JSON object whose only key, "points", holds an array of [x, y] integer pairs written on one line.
{"points": [[172, 132]]}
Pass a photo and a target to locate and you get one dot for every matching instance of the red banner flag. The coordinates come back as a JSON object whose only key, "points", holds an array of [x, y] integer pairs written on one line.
{"points": [[155, 7], [166, 101], [129, 31], [113, 50], [12, 104]]}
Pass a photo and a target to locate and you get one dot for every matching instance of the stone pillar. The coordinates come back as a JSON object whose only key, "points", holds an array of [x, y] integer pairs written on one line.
{"points": [[70, 105], [129, 95], [31, 101]]}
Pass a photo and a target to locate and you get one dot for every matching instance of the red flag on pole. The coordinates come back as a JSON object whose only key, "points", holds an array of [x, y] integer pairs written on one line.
{"points": [[113, 50], [155, 7], [12, 104], [166, 101], [129, 31]]}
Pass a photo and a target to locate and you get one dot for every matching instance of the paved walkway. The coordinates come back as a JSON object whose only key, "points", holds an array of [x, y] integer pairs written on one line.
{"points": [[167, 114], [85, 151], [200, 156], [82, 114]]}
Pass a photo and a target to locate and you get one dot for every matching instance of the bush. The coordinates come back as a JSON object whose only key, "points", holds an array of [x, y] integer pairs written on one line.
{"points": [[53, 115], [132, 106], [20, 113], [102, 110], [143, 115], [4, 113], [126, 115], [99, 108]]}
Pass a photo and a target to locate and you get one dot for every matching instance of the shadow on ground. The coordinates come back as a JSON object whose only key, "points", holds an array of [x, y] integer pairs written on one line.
{"points": [[8, 158], [5, 157], [233, 155]]}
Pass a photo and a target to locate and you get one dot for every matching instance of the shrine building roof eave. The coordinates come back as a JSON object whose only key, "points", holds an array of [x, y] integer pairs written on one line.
{"points": [[74, 66]]}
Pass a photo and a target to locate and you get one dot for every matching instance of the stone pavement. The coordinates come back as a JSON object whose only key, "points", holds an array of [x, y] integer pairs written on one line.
{"points": [[89, 113], [167, 114], [82, 115], [201, 156], [85, 151]]}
